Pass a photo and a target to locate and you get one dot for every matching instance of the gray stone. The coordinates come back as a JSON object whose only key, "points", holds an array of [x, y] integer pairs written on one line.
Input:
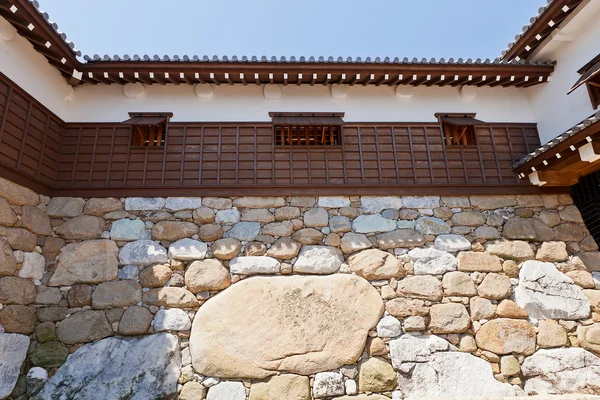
{"points": [[376, 204], [318, 260], [352, 242], [492, 202], [183, 203], [252, 265], [115, 368], [561, 371], [143, 252], [47, 295], [429, 370], [316, 218], [432, 226], [13, 348], [188, 249], [486, 232], [173, 319], [519, 228], [468, 218], [340, 224], [244, 231], [65, 207], [328, 384], [546, 293], [144, 203], [116, 294], [218, 203], [127, 229], [81, 228], [129, 272], [92, 261], [35, 220], [258, 202], [421, 201], [334, 201], [83, 327], [452, 243], [389, 326], [430, 261], [228, 217], [135, 321], [227, 391], [257, 215], [405, 238], [372, 224]]}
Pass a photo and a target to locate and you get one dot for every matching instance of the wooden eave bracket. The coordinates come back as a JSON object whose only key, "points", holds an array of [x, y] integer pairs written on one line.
{"points": [[587, 153]]}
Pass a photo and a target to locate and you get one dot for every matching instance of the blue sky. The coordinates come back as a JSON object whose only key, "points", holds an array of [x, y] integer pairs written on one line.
{"points": [[394, 28]]}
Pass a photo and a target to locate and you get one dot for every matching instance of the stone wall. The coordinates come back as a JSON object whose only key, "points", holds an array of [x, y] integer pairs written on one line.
{"points": [[356, 298]]}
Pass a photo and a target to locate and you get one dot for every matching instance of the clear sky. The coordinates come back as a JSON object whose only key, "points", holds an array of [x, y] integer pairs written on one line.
{"points": [[375, 28]]}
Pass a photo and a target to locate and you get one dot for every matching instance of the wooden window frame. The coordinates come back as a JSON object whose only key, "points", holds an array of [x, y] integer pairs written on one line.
{"points": [[469, 130], [592, 82], [307, 130], [146, 120]]}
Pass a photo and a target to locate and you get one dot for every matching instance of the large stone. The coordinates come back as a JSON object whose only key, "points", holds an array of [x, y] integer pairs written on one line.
{"points": [[546, 293], [284, 249], [170, 297], [458, 283], [49, 355], [481, 308], [172, 319], [470, 261], [376, 204], [316, 218], [561, 371], [468, 218], [244, 231], [18, 195], [18, 319], [83, 327], [430, 261], [171, 230], [287, 213], [402, 307], [340, 224], [400, 238], [252, 265], [279, 229], [372, 224], [492, 202], [210, 232], [421, 201], [430, 370], [285, 386], [333, 201], [102, 206], [318, 260], [92, 261], [257, 215], [192, 391], [144, 203], [128, 229], [376, 264], [569, 232], [510, 249], [183, 203], [143, 252], [188, 249], [48, 295], [258, 202], [226, 249], [551, 334], [505, 336], [376, 375], [65, 207], [449, 318], [21, 239], [432, 226], [227, 217], [424, 287], [452, 243], [206, 275], [352, 242], [227, 390], [389, 326], [115, 368], [312, 324], [16, 290], [117, 294], [34, 266], [14, 350], [84, 227], [495, 287], [7, 214], [35, 220], [218, 203], [519, 229], [308, 236], [8, 262], [135, 321], [552, 251]]}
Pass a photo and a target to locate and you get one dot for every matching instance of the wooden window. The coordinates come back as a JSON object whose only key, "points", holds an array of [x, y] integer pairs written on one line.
{"points": [[307, 129], [590, 77], [148, 129], [459, 129]]}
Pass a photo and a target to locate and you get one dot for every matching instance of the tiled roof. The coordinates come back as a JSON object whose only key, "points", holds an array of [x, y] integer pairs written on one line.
{"points": [[54, 26]]}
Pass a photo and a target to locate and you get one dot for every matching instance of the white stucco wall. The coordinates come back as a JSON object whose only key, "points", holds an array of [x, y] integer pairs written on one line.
{"points": [[30, 70], [553, 109]]}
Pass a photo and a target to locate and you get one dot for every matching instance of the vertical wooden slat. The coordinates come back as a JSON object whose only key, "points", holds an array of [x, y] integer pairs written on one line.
{"points": [[6, 111], [110, 155], [495, 154], [343, 155], [360, 155], [291, 166], [273, 162], [25, 133], [525, 140], [146, 151], [464, 164], [393, 131], [377, 151], [326, 166], [510, 149], [254, 156], [445, 154], [308, 164], [76, 156], [164, 158], [481, 167], [182, 155], [93, 157], [237, 153], [200, 155], [412, 155], [43, 150], [219, 156], [431, 179], [127, 164]]}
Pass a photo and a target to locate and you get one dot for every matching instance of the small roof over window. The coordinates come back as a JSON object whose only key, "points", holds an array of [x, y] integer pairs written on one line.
{"points": [[589, 72], [459, 119], [302, 119], [143, 118]]}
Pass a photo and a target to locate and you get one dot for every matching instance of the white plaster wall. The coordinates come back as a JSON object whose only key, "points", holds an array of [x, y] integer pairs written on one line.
{"points": [[553, 109], [30, 70]]}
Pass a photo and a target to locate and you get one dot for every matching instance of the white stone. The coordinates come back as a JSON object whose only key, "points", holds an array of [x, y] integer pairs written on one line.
{"points": [[229, 216], [546, 293], [376, 204], [435, 369], [389, 326], [38, 373], [328, 384], [561, 371], [183, 203], [430, 261], [227, 391], [421, 201], [143, 252], [144, 203], [334, 202], [252, 265], [318, 260], [351, 387], [173, 319], [244, 231], [188, 249], [33, 267], [372, 224], [115, 368], [452, 243], [127, 229], [210, 381], [596, 277], [13, 350]]}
